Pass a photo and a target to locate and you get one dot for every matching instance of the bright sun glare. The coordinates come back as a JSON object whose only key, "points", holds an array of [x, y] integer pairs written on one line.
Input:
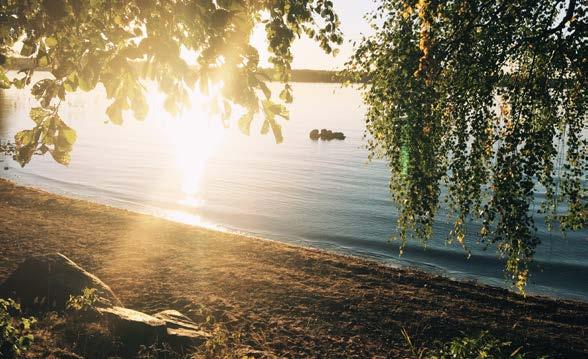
{"points": [[195, 133]]}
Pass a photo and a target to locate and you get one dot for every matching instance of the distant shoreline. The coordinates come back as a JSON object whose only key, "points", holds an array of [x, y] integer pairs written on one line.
{"points": [[298, 75], [301, 299]]}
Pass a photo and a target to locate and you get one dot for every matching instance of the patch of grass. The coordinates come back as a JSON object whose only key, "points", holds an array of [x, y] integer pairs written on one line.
{"points": [[481, 346]]}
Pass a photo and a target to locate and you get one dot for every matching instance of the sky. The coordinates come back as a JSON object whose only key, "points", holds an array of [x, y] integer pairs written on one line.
{"points": [[308, 54]]}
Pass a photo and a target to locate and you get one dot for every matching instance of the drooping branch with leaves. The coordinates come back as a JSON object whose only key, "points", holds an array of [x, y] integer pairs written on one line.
{"points": [[487, 99], [119, 44]]}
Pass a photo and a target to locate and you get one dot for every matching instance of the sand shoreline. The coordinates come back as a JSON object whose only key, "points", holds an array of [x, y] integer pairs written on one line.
{"points": [[439, 272], [302, 301]]}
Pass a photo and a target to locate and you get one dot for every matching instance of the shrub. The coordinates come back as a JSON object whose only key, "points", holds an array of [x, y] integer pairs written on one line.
{"points": [[15, 336], [482, 346], [84, 302]]}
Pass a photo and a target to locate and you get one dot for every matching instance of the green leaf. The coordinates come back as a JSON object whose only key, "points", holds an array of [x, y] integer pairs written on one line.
{"points": [[265, 127], [265, 89], [84, 85], [220, 18], [5, 83], [19, 83], [61, 157], [139, 105], [286, 95], [277, 130], [114, 112], [24, 137], [28, 49], [24, 154], [275, 109], [69, 86], [50, 41], [39, 114], [244, 123], [68, 134], [43, 61]]}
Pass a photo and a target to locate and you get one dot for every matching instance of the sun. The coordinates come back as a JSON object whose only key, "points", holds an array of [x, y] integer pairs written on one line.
{"points": [[194, 135]]}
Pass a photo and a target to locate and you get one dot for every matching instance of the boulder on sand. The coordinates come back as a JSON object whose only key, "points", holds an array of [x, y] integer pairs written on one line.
{"points": [[179, 338], [133, 327], [46, 282], [170, 326], [181, 330], [175, 319]]}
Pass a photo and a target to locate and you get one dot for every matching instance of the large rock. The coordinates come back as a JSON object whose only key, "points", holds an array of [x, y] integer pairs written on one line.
{"points": [[46, 282], [181, 331], [133, 327], [175, 319], [180, 338], [170, 326]]}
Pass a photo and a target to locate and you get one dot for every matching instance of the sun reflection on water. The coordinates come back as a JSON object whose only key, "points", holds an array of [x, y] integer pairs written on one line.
{"points": [[191, 219], [194, 135]]}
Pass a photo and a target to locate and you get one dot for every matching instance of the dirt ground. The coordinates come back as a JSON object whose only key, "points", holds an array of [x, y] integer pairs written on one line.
{"points": [[291, 301]]}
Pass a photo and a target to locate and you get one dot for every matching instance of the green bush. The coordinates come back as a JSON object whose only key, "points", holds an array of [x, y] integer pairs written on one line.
{"points": [[483, 346], [84, 302], [15, 336]]}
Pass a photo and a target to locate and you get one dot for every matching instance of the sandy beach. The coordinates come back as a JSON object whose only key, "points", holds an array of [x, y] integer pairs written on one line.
{"points": [[287, 300]]}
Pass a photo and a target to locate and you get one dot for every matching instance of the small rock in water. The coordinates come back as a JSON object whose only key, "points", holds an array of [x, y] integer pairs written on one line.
{"points": [[326, 135], [314, 135], [338, 136]]}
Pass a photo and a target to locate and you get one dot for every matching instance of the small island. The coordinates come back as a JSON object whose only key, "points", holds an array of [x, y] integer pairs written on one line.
{"points": [[326, 135]]}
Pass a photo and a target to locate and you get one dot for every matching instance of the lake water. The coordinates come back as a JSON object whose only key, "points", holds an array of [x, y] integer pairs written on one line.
{"points": [[317, 194]]}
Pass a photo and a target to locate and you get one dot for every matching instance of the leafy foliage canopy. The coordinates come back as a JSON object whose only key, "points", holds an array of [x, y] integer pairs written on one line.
{"points": [[121, 43], [485, 98]]}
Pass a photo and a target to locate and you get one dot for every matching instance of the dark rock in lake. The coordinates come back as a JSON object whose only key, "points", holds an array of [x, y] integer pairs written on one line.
{"points": [[46, 282], [314, 135], [338, 136], [326, 135]]}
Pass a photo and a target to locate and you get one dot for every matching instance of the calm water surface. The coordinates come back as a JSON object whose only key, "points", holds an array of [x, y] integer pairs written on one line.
{"points": [[317, 194]]}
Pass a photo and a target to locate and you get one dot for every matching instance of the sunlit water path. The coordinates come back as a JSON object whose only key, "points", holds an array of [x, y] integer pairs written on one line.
{"points": [[317, 194]]}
